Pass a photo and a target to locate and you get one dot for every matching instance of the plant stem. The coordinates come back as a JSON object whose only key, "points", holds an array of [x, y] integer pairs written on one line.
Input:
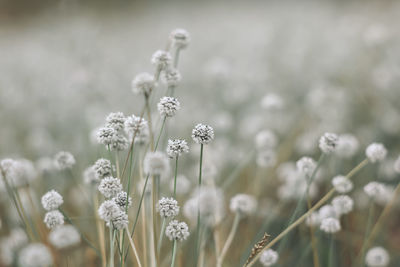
{"points": [[100, 232], [360, 256], [161, 236], [198, 204], [159, 134], [304, 216], [176, 174], [331, 251], [229, 240], [133, 247], [173, 254], [111, 247]]}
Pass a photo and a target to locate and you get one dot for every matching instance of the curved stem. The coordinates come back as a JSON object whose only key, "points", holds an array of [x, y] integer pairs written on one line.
{"points": [[229, 240], [133, 247]]}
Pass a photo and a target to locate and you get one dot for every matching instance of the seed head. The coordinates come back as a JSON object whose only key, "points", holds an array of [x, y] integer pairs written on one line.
{"points": [[177, 147], [168, 207], [202, 134], [180, 38], [377, 257], [105, 135], [168, 106], [342, 184], [108, 210], [376, 152], [328, 142], [269, 257], [143, 83], [342, 204], [64, 160], [243, 204], [109, 187], [178, 231], [122, 200], [115, 120], [134, 125], [64, 236], [90, 176], [161, 59], [102, 168], [52, 200], [156, 163], [119, 221], [306, 166], [330, 225], [35, 255], [172, 77], [347, 146], [53, 218]]}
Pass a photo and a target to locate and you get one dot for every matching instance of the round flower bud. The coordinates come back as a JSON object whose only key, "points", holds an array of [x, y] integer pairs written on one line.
{"points": [[330, 225], [376, 152], [105, 135], [109, 187], [143, 83], [102, 168], [306, 166], [35, 255], [375, 190], [327, 211], [269, 257], [167, 207], [342, 204], [122, 200], [347, 146], [64, 160], [202, 134], [119, 142], [119, 221], [115, 120], [156, 163], [328, 142], [180, 38], [168, 106], [243, 204], [108, 210], [52, 200], [177, 147], [172, 77], [178, 231], [53, 218], [64, 236], [342, 184], [161, 59], [90, 176], [135, 125], [377, 257]]}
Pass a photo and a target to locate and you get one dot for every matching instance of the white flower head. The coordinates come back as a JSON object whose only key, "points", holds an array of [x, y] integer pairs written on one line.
{"points": [[306, 166], [143, 83], [376, 152], [327, 211], [122, 200], [202, 134], [269, 257], [266, 139], [342, 204], [330, 225], [108, 210], [168, 106], [161, 59], [105, 135], [64, 160], [342, 184], [119, 220], [347, 146], [167, 207], [64, 236], [178, 231], [272, 102], [135, 125], [375, 190], [102, 168], [243, 204], [115, 120], [52, 200], [53, 218], [109, 187], [180, 38], [35, 255], [313, 219], [377, 257], [177, 147], [90, 176], [119, 142], [156, 163], [172, 77], [328, 142]]}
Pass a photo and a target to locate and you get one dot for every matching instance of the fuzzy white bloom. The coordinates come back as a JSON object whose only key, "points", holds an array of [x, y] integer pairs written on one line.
{"points": [[102, 168], [313, 219], [342, 204], [122, 200], [119, 220], [375, 190], [180, 38], [327, 211], [115, 120], [135, 125], [167, 207], [105, 135], [156, 163], [202, 134], [108, 210], [182, 185], [266, 158], [53, 218], [396, 165], [177, 147], [64, 160], [172, 77], [161, 59], [16, 239], [306, 166], [272, 102], [178, 231], [328, 142], [376, 152], [266, 139], [269, 257], [143, 83], [119, 142], [109, 187], [243, 204], [64, 236], [342, 184], [347, 146], [52, 200], [90, 176], [330, 225], [377, 257], [168, 106], [35, 255], [18, 172]]}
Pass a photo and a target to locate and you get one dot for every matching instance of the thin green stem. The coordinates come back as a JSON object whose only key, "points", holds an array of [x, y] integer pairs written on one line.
{"points": [[173, 254], [111, 247], [198, 204], [164, 224], [160, 133], [366, 234], [331, 257], [176, 174], [229, 240]]}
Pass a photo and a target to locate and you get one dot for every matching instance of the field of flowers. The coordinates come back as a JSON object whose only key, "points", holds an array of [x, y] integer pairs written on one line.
{"points": [[190, 134]]}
